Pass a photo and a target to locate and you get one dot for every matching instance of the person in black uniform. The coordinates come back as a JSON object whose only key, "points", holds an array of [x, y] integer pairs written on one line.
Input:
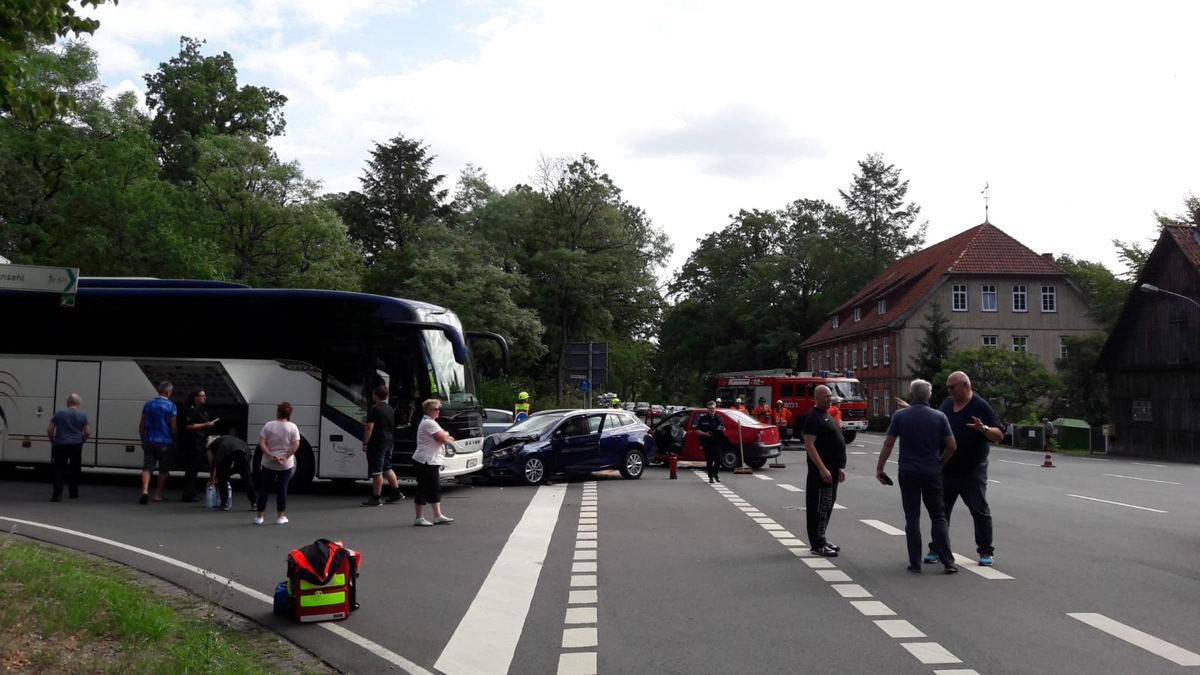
{"points": [[228, 455], [378, 442], [194, 441], [826, 448], [711, 431]]}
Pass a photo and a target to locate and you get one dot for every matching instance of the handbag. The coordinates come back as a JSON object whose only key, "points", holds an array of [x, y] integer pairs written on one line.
{"points": [[211, 498]]}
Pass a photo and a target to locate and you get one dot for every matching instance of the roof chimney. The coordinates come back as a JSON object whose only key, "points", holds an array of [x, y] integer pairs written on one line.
{"points": [[1048, 256]]}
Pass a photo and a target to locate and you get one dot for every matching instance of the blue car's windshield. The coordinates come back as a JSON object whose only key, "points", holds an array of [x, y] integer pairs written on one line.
{"points": [[538, 424]]}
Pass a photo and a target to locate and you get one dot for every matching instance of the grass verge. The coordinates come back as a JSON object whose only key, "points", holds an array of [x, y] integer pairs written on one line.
{"points": [[66, 612]]}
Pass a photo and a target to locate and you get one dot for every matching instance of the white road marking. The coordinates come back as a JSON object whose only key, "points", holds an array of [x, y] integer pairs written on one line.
{"points": [[583, 567], [1157, 466], [859, 452], [792, 542], [583, 581], [883, 527], [1137, 638], [1105, 501], [771, 526], [1009, 461], [487, 635], [899, 628], [930, 652], [815, 562], [763, 476], [337, 629], [853, 591], [872, 608], [835, 576], [973, 566], [790, 488], [581, 615], [993, 481], [585, 555], [577, 663], [957, 671], [782, 535], [581, 598], [577, 637], [1148, 480]]}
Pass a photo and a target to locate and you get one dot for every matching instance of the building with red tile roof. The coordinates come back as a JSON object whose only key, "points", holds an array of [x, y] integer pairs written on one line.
{"points": [[994, 291], [1152, 355]]}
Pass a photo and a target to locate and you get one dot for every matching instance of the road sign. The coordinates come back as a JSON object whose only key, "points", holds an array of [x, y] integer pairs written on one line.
{"points": [[585, 361], [36, 278], [585, 385]]}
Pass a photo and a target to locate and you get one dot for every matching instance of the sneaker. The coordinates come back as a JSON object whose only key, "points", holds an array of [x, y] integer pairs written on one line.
{"points": [[442, 520], [824, 551], [951, 568], [144, 499], [392, 499], [281, 520], [986, 560], [915, 569], [930, 558], [421, 522], [833, 546], [258, 520], [373, 501]]}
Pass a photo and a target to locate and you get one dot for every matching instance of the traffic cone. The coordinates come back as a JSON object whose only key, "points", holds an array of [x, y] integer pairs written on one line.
{"points": [[1048, 463]]}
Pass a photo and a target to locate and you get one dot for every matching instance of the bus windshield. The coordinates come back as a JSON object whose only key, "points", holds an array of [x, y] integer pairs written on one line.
{"points": [[450, 380]]}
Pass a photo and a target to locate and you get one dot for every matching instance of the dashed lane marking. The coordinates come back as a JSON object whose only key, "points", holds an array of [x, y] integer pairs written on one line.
{"points": [[1147, 480], [965, 563], [1137, 638], [1131, 506], [883, 527]]}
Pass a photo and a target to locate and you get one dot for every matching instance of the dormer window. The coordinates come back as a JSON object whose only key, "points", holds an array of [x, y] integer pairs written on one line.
{"points": [[835, 322], [857, 314], [881, 307]]}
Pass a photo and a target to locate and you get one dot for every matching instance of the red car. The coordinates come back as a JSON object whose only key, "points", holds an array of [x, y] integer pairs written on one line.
{"points": [[758, 442]]}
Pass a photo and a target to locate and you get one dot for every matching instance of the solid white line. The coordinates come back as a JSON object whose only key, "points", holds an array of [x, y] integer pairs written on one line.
{"points": [[1105, 501], [1137, 638], [487, 635], [973, 566], [1157, 466], [930, 652], [1148, 480], [376, 649], [790, 488], [1009, 461], [882, 527]]}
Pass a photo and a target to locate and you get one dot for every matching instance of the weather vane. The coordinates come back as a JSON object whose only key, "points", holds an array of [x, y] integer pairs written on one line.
{"points": [[984, 192]]}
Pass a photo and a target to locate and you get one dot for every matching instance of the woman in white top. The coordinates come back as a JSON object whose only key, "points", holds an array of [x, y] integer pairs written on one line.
{"points": [[427, 464], [279, 441]]}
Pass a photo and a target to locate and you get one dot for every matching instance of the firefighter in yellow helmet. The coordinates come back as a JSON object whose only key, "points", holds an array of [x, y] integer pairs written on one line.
{"points": [[521, 409]]}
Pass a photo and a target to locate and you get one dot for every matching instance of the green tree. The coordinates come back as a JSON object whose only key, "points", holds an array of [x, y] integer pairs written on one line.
{"points": [[1084, 390], [195, 96], [934, 348], [1103, 291], [1015, 383], [24, 27], [884, 222]]}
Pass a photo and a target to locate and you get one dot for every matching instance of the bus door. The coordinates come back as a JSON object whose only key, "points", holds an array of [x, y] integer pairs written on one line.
{"points": [[83, 378], [345, 398]]}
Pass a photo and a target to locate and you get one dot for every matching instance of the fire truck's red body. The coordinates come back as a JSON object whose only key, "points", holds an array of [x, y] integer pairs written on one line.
{"points": [[796, 392]]}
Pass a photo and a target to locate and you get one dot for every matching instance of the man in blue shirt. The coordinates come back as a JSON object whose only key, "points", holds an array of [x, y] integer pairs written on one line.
{"points": [[926, 444], [68, 431], [157, 429]]}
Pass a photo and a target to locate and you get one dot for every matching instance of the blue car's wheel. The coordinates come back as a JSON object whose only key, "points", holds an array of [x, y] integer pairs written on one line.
{"points": [[533, 471], [634, 464]]}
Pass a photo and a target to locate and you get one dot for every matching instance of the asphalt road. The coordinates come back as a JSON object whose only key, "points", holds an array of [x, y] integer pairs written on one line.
{"points": [[1095, 571]]}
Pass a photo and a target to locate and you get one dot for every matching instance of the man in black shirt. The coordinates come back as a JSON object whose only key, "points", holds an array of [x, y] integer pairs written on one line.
{"points": [[228, 455], [378, 441], [826, 448], [194, 442], [709, 428]]}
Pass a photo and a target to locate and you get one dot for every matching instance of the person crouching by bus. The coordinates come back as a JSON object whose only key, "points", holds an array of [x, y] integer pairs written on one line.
{"points": [[226, 456], [195, 428], [378, 442], [68, 431], [157, 430], [279, 441], [427, 464]]}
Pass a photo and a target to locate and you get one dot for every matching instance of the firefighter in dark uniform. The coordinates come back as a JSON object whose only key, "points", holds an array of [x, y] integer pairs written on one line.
{"points": [[712, 432]]}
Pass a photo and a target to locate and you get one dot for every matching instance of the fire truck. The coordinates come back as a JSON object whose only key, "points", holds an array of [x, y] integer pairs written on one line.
{"points": [[795, 389]]}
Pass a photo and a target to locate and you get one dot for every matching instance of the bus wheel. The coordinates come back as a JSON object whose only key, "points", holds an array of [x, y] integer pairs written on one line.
{"points": [[306, 469]]}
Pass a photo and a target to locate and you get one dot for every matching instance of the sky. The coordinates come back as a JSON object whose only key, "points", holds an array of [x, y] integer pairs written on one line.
{"points": [[1080, 118]]}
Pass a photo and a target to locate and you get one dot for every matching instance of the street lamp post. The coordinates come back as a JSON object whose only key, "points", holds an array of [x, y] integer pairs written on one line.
{"points": [[1155, 290]]}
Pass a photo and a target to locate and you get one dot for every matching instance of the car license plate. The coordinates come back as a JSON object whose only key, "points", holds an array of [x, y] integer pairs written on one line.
{"points": [[471, 463]]}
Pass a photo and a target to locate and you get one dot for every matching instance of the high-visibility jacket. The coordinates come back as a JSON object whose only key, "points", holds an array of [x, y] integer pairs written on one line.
{"points": [[521, 407], [739, 406], [763, 412], [836, 414], [781, 416]]}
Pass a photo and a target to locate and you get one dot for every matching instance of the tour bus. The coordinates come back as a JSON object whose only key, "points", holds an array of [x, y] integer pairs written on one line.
{"points": [[249, 349], [796, 392]]}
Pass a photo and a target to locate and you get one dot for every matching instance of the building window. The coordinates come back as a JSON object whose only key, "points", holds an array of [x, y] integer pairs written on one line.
{"points": [[875, 403], [959, 298], [864, 351], [1019, 299], [882, 307], [845, 357], [987, 298], [1020, 343], [857, 314], [874, 351], [854, 358], [1062, 347], [836, 362], [887, 402], [991, 341], [835, 322], [887, 351], [1049, 303]]}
